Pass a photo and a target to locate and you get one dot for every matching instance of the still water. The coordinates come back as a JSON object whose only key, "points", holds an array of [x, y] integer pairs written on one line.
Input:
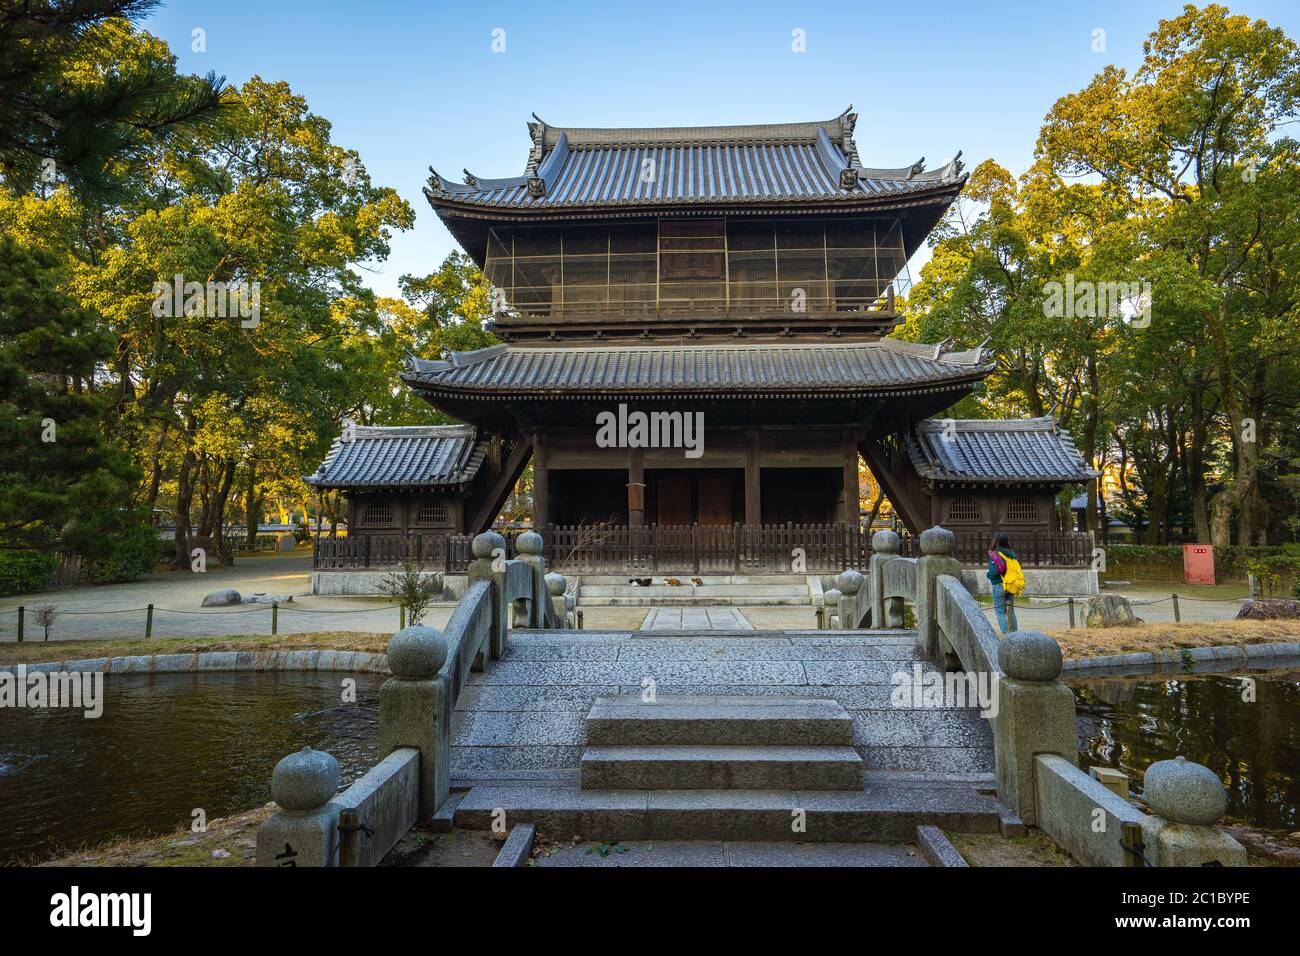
{"points": [[1253, 745], [168, 744], [165, 745]]}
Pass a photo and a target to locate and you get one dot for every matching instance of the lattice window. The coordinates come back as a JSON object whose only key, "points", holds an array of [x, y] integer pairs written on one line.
{"points": [[432, 513], [965, 511], [378, 514], [1022, 511]]}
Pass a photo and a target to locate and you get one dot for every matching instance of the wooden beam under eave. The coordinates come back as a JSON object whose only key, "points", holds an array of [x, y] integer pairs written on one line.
{"points": [[502, 483], [912, 508]]}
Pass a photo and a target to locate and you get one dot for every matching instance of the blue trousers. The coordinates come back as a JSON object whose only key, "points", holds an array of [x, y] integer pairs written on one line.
{"points": [[1005, 606]]}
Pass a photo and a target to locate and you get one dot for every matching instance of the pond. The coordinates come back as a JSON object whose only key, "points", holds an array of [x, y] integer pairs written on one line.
{"points": [[164, 746], [1247, 733]]}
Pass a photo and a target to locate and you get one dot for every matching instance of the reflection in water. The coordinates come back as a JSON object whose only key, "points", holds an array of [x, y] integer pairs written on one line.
{"points": [[165, 745], [1254, 747]]}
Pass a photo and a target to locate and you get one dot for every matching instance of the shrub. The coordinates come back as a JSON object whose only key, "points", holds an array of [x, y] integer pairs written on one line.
{"points": [[131, 552], [25, 571]]}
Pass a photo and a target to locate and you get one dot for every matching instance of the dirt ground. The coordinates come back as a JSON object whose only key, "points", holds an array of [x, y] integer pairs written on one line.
{"points": [[1096, 642], [992, 849]]}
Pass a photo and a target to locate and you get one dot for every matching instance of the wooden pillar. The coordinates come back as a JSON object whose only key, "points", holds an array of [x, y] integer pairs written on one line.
{"points": [[635, 487], [541, 483], [850, 515], [753, 479]]}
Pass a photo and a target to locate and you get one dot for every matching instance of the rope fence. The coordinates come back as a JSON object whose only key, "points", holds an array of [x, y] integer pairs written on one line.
{"points": [[30, 617]]}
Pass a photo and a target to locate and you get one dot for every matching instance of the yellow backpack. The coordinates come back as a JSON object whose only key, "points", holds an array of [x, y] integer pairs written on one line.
{"points": [[1013, 582]]}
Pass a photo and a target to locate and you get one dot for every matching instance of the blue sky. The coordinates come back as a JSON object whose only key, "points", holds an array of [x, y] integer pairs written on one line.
{"points": [[411, 84]]}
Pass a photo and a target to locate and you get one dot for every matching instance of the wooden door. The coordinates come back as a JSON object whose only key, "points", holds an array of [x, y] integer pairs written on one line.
{"points": [[715, 499], [674, 499]]}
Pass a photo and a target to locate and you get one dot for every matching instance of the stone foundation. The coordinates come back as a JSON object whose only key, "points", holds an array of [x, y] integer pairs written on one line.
{"points": [[370, 583], [1055, 582]]}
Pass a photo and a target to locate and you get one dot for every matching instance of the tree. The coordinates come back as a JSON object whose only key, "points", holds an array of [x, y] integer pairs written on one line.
{"points": [[1190, 136], [70, 111], [62, 483]]}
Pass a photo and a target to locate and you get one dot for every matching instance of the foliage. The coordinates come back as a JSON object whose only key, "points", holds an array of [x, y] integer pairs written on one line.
{"points": [[1178, 180], [24, 571], [62, 483], [131, 552], [413, 588], [68, 108]]}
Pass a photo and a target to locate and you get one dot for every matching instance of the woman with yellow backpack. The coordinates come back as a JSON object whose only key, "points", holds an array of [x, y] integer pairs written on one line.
{"points": [[1007, 579]]}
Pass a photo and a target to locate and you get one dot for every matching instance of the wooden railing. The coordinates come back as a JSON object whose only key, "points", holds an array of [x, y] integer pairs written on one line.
{"points": [[691, 549], [1039, 549]]}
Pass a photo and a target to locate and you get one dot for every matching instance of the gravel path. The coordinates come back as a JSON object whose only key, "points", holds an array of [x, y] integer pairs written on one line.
{"points": [[118, 610]]}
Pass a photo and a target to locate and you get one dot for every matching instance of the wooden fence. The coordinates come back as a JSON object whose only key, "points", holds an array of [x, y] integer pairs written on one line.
{"points": [[689, 549]]}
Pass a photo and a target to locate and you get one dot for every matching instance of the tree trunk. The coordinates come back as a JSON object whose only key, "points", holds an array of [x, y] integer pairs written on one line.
{"points": [[1245, 448], [252, 507]]}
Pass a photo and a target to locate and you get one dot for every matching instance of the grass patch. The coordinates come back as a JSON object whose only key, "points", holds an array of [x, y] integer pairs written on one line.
{"points": [[38, 652], [227, 842], [1167, 636]]}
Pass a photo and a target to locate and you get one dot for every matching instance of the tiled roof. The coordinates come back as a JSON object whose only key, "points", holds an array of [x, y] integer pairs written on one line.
{"points": [[731, 370], [573, 167], [996, 450], [421, 456]]}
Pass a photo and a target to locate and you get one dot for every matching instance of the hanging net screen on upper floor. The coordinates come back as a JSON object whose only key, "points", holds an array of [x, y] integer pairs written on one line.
{"points": [[673, 266]]}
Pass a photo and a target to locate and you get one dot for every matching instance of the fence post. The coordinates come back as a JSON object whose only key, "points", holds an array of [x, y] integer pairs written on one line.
{"points": [[849, 583], [148, 622], [305, 830], [275, 617], [884, 547], [484, 548], [22, 613], [1186, 801], [401, 616], [1178, 617], [530, 548], [937, 546], [415, 709], [1071, 603], [1036, 715]]}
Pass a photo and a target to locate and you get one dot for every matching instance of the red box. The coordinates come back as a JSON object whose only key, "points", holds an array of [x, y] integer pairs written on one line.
{"points": [[1198, 564]]}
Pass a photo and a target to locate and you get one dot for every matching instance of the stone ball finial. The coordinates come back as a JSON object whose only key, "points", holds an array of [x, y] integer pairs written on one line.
{"points": [[938, 540], [487, 542], [556, 584], [305, 781], [849, 581], [417, 652], [1184, 792], [530, 542], [1029, 655], [832, 598], [885, 542]]}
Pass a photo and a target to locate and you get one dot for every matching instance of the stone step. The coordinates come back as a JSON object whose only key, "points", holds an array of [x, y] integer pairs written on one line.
{"points": [[692, 591], [685, 577], [738, 721], [680, 599], [876, 814], [738, 853], [708, 767]]}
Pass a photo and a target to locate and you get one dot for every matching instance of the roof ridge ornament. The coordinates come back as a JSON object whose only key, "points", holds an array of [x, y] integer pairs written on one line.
{"points": [[537, 131]]}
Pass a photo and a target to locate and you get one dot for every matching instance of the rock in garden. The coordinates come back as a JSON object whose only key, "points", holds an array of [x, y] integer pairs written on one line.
{"points": [[222, 598], [1269, 609], [1109, 610], [260, 597]]}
